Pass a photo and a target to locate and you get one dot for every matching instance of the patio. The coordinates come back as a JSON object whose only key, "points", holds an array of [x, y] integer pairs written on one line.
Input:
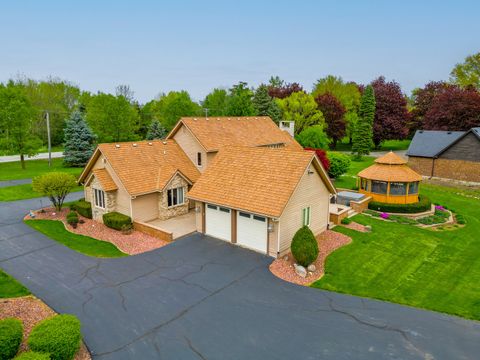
{"points": [[179, 225]]}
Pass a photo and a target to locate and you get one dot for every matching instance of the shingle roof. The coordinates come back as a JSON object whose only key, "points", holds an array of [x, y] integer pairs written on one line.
{"points": [[105, 180], [429, 143], [145, 166], [390, 159], [255, 179], [213, 133], [390, 167]]}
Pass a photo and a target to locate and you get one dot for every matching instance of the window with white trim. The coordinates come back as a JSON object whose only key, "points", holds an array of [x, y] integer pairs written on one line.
{"points": [[99, 196], [175, 196], [306, 216]]}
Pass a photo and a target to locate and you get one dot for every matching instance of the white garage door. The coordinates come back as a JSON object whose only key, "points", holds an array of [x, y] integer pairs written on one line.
{"points": [[218, 222], [252, 231]]}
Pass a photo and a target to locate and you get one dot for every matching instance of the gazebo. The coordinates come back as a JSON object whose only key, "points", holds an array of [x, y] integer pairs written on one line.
{"points": [[390, 180]]}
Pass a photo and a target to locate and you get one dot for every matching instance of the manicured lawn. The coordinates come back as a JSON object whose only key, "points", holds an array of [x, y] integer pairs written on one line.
{"points": [[55, 230], [348, 180], [13, 170], [387, 145], [9, 287], [21, 192], [436, 270]]}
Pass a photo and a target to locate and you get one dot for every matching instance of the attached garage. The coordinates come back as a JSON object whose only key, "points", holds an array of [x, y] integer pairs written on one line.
{"points": [[218, 222], [252, 231]]}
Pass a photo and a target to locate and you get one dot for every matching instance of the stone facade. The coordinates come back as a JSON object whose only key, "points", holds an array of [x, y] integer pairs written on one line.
{"points": [[165, 212], [110, 200], [446, 168]]}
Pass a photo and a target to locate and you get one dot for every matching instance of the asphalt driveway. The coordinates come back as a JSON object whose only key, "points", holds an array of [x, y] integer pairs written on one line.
{"points": [[201, 298]]}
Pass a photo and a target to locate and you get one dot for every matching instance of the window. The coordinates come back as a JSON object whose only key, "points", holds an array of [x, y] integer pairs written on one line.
{"points": [[224, 210], [99, 196], [259, 218], [199, 159], [242, 214], [379, 187], [306, 216], [175, 196], [213, 207], [413, 188], [398, 188]]}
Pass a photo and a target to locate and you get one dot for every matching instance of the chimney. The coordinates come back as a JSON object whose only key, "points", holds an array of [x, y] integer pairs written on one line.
{"points": [[288, 126]]}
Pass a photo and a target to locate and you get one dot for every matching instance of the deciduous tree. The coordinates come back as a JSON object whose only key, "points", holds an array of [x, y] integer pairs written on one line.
{"points": [[467, 73], [322, 156], [79, 141], [363, 135], [333, 112], [240, 100], [280, 89], [55, 185], [301, 108], [171, 107], [313, 137], [216, 102]]}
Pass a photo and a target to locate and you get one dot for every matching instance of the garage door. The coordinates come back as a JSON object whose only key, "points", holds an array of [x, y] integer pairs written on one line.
{"points": [[252, 231], [218, 222]]}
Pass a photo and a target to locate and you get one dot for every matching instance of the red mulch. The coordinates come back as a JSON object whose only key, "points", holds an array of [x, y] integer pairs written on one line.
{"points": [[328, 242], [355, 226], [31, 311], [135, 243]]}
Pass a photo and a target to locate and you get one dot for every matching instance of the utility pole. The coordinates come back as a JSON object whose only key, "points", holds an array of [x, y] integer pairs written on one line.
{"points": [[47, 116]]}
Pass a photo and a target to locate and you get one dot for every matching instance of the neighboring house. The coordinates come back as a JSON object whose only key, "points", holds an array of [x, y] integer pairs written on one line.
{"points": [[201, 137], [259, 197], [145, 180], [446, 154]]}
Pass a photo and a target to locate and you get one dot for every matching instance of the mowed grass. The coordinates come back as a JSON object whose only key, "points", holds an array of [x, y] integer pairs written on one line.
{"points": [[10, 288], [394, 145], [21, 192], [436, 270], [13, 170], [348, 180], [55, 230]]}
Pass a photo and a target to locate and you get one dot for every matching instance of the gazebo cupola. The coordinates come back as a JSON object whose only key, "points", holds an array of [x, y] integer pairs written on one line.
{"points": [[390, 180]]}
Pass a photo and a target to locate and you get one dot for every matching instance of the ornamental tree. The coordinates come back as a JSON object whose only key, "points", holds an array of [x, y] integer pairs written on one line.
{"points": [[55, 185], [391, 114], [280, 90], [362, 137], [79, 141], [301, 108], [156, 131], [322, 156], [333, 112]]}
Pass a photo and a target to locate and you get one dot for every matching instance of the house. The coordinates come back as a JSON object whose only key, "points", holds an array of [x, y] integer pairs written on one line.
{"points": [[446, 154], [259, 197], [245, 169]]}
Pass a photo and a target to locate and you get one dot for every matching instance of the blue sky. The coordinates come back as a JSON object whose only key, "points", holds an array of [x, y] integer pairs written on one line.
{"points": [[158, 46]]}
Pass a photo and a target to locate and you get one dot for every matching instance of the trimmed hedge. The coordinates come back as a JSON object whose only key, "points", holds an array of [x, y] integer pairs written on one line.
{"points": [[59, 336], [83, 207], [422, 205], [31, 355], [11, 335], [346, 221], [304, 246], [116, 220], [72, 218]]}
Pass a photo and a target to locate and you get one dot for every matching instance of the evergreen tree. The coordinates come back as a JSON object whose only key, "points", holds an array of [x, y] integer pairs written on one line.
{"points": [[156, 131], [79, 141], [362, 137], [265, 105]]}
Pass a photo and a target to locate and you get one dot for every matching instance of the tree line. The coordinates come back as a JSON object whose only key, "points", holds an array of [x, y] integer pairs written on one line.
{"points": [[367, 114]]}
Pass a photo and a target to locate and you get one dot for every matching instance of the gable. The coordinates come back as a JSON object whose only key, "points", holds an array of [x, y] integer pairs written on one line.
{"points": [[466, 148], [429, 143]]}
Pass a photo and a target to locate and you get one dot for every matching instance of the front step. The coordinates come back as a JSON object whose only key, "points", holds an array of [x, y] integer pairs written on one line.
{"points": [[351, 213]]}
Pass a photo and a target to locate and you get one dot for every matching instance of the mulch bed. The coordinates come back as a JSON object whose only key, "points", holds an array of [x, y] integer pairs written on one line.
{"points": [[328, 242], [355, 226], [31, 310], [135, 243]]}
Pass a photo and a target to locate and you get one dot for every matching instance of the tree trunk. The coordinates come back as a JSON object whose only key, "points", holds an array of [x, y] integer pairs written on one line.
{"points": [[22, 161]]}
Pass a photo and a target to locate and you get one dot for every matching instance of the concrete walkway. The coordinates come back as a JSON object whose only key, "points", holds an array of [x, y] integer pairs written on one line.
{"points": [[12, 158], [201, 298]]}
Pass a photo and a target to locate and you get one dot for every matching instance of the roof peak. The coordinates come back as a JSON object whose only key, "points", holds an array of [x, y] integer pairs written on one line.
{"points": [[390, 158]]}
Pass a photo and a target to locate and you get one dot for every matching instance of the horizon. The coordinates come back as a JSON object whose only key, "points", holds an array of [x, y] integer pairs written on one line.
{"points": [[160, 47]]}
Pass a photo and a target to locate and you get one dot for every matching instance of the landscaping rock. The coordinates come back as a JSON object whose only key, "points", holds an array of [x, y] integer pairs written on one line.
{"points": [[311, 268], [300, 270], [285, 258]]}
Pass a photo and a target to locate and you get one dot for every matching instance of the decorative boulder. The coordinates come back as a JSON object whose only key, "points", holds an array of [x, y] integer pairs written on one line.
{"points": [[311, 268], [300, 270]]}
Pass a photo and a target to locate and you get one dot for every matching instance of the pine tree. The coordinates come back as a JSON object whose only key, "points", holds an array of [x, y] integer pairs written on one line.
{"points": [[79, 141], [265, 105], [156, 131], [362, 137]]}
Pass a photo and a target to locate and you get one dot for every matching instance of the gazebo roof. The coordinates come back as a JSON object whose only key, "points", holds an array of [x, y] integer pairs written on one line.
{"points": [[390, 167]]}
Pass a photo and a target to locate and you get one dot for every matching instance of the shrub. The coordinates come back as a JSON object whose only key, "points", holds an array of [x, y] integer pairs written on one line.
{"points": [[304, 246], [346, 221], [339, 164], [116, 220], [72, 218], [59, 336], [11, 334], [83, 207], [31, 355], [460, 219], [55, 185], [313, 137], [422, 205], [127, 229]]}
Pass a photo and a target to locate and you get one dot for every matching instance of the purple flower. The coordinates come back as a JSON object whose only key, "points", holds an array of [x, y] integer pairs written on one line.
{"points": [[439, 207], [384, 215]]}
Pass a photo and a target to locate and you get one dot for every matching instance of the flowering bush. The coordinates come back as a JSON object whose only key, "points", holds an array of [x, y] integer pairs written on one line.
{"points": [[440, 208], [384, 215]]}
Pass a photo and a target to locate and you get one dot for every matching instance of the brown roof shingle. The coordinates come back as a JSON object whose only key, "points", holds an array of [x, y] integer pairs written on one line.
{"points": [[213, 133], [105, 180], [384, 172], [147, 166], [390, 158], [255, 179]]}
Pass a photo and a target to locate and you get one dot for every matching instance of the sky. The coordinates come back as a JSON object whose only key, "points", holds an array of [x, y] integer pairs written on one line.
{"points": [[159, 46]]}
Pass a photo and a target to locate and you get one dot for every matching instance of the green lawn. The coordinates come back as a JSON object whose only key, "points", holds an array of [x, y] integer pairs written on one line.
{"points": [[13, 170], [21, 192], [387, 145], [348, 180], [43, 149], [55, 230], [436, 270], [9, 287]]}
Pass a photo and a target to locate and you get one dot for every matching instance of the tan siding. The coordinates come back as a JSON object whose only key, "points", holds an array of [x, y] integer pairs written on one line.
{"points": [[273, 238], [145, 207], [200, 208], [311, 191], [191, 147]]}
